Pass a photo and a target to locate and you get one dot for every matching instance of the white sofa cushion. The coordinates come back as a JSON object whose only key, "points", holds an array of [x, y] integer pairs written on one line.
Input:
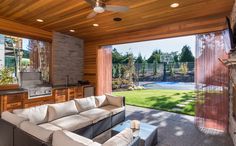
{"points": [[84, 104], [56, 111], [12, 118], [72, 123], [96, 114], [37, 131], [49, 126], [124, 138], [66, 138], [115, 100], [101, 100], [36, 115], [113, 109]]}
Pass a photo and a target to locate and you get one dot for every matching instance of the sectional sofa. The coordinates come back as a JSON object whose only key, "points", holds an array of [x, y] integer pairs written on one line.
{"points": [[44, 125]]}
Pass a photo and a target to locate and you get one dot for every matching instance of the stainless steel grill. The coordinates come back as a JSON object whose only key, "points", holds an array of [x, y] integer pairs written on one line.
{"points": [[35, 86]]}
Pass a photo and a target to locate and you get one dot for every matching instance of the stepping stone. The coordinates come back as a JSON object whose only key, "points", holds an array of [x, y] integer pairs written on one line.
{"points": [[190, 100], [176, 109], [180, 105]]}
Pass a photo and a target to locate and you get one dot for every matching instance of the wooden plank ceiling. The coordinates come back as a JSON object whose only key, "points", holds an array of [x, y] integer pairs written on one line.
{"points": [[63, 15]]}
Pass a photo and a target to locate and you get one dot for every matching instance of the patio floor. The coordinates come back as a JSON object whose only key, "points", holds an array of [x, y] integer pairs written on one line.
{"points": [[176, 129]]}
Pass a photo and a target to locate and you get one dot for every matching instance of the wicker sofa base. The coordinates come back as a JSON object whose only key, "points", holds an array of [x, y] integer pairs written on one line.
{"points": [[10, 135]]}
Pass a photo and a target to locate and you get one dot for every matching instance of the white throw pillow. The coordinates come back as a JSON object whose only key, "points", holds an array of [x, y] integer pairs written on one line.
{"points": [[84, 104], [115, 100], [12, 118], [56, 111], [101, 101], [124, 138], [36, 115], [37, 131], [66, 138]]}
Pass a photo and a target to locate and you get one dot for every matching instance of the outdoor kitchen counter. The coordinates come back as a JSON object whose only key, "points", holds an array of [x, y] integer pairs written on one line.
{"points": [[63, 86], [16, 91]]}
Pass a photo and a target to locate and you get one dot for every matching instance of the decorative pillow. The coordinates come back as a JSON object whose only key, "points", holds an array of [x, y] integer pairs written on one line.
{"points": [[84, 104], [12, 118], [115, 100], [36, 115], [66, 138], [37, 131], [56, 111], [124, 138], [101, 101]]}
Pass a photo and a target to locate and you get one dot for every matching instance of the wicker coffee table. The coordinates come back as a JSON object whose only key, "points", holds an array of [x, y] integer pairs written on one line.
{"points": [[147, 133]]}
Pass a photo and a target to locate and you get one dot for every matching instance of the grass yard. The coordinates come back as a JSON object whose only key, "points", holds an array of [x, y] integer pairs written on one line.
{"points": [[178, 101]]}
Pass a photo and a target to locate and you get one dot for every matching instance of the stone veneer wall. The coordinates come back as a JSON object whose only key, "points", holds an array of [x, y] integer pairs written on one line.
{"points": [[232, 122], [67, 59]]}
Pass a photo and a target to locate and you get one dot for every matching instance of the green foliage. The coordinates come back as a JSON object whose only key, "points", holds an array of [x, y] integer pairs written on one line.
{"points": [[156, 55], [144, 64], [6, 76], [139, 59], [130, 69], [117, 57], [155, 68], [186, 55]]}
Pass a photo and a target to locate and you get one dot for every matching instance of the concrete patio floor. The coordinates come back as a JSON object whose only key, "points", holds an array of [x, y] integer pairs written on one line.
{"points": [[176, 129]]}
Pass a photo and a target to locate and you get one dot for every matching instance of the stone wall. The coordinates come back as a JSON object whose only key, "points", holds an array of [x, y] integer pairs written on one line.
{"points": [[67, 59], [232, 122]]}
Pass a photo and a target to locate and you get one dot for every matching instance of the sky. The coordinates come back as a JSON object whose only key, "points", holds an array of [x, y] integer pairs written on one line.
{"points": [[166, 45]]}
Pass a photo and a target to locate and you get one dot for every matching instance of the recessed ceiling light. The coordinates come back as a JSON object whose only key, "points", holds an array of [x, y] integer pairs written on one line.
{"points": [[39, 20], [117, 19], [95, 25], [72, 30], [174, 5]]}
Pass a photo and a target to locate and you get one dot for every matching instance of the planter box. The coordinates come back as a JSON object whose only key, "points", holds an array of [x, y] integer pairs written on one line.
{"points": [[9, 87]]}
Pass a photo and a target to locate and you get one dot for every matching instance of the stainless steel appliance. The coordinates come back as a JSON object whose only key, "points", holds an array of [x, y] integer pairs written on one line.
{"points": [[35, 86]]}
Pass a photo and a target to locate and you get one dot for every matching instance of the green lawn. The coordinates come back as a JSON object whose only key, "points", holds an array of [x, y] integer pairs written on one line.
{"points": [[179, 101]]}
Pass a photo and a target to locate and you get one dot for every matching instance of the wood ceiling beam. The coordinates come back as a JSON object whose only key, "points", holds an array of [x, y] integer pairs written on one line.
{"points": [[13, 28]]}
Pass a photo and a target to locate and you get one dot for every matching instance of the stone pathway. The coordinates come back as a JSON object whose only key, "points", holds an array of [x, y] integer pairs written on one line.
{"points": [[176, 129]]}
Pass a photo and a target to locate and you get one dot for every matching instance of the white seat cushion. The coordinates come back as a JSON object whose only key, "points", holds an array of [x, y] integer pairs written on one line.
{"points": [[96, 114], [49, 126], [101, 100], [37, 131], [84, 104], [66, 138], [115, 100], [12, 118], [113, 109], [36, 115], [56, 111], [124, 138], [72, 123]]}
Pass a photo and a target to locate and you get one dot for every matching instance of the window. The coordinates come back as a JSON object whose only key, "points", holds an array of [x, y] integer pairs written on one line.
{"points": [[23, 55]]}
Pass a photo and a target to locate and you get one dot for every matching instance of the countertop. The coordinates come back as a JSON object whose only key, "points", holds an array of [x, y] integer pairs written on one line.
{"points": [[7, 92], [22, 90]]}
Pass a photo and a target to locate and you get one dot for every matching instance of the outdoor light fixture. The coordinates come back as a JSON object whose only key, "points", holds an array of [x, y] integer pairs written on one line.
{"points": [[99, 7], [39, 20], [174, 5]]}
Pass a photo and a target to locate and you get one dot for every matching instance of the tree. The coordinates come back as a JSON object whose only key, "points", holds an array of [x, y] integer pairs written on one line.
{"points": [[130, 69], [116, 56], [156, 55], [139, 59], [144, 67], [186, 55]]}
